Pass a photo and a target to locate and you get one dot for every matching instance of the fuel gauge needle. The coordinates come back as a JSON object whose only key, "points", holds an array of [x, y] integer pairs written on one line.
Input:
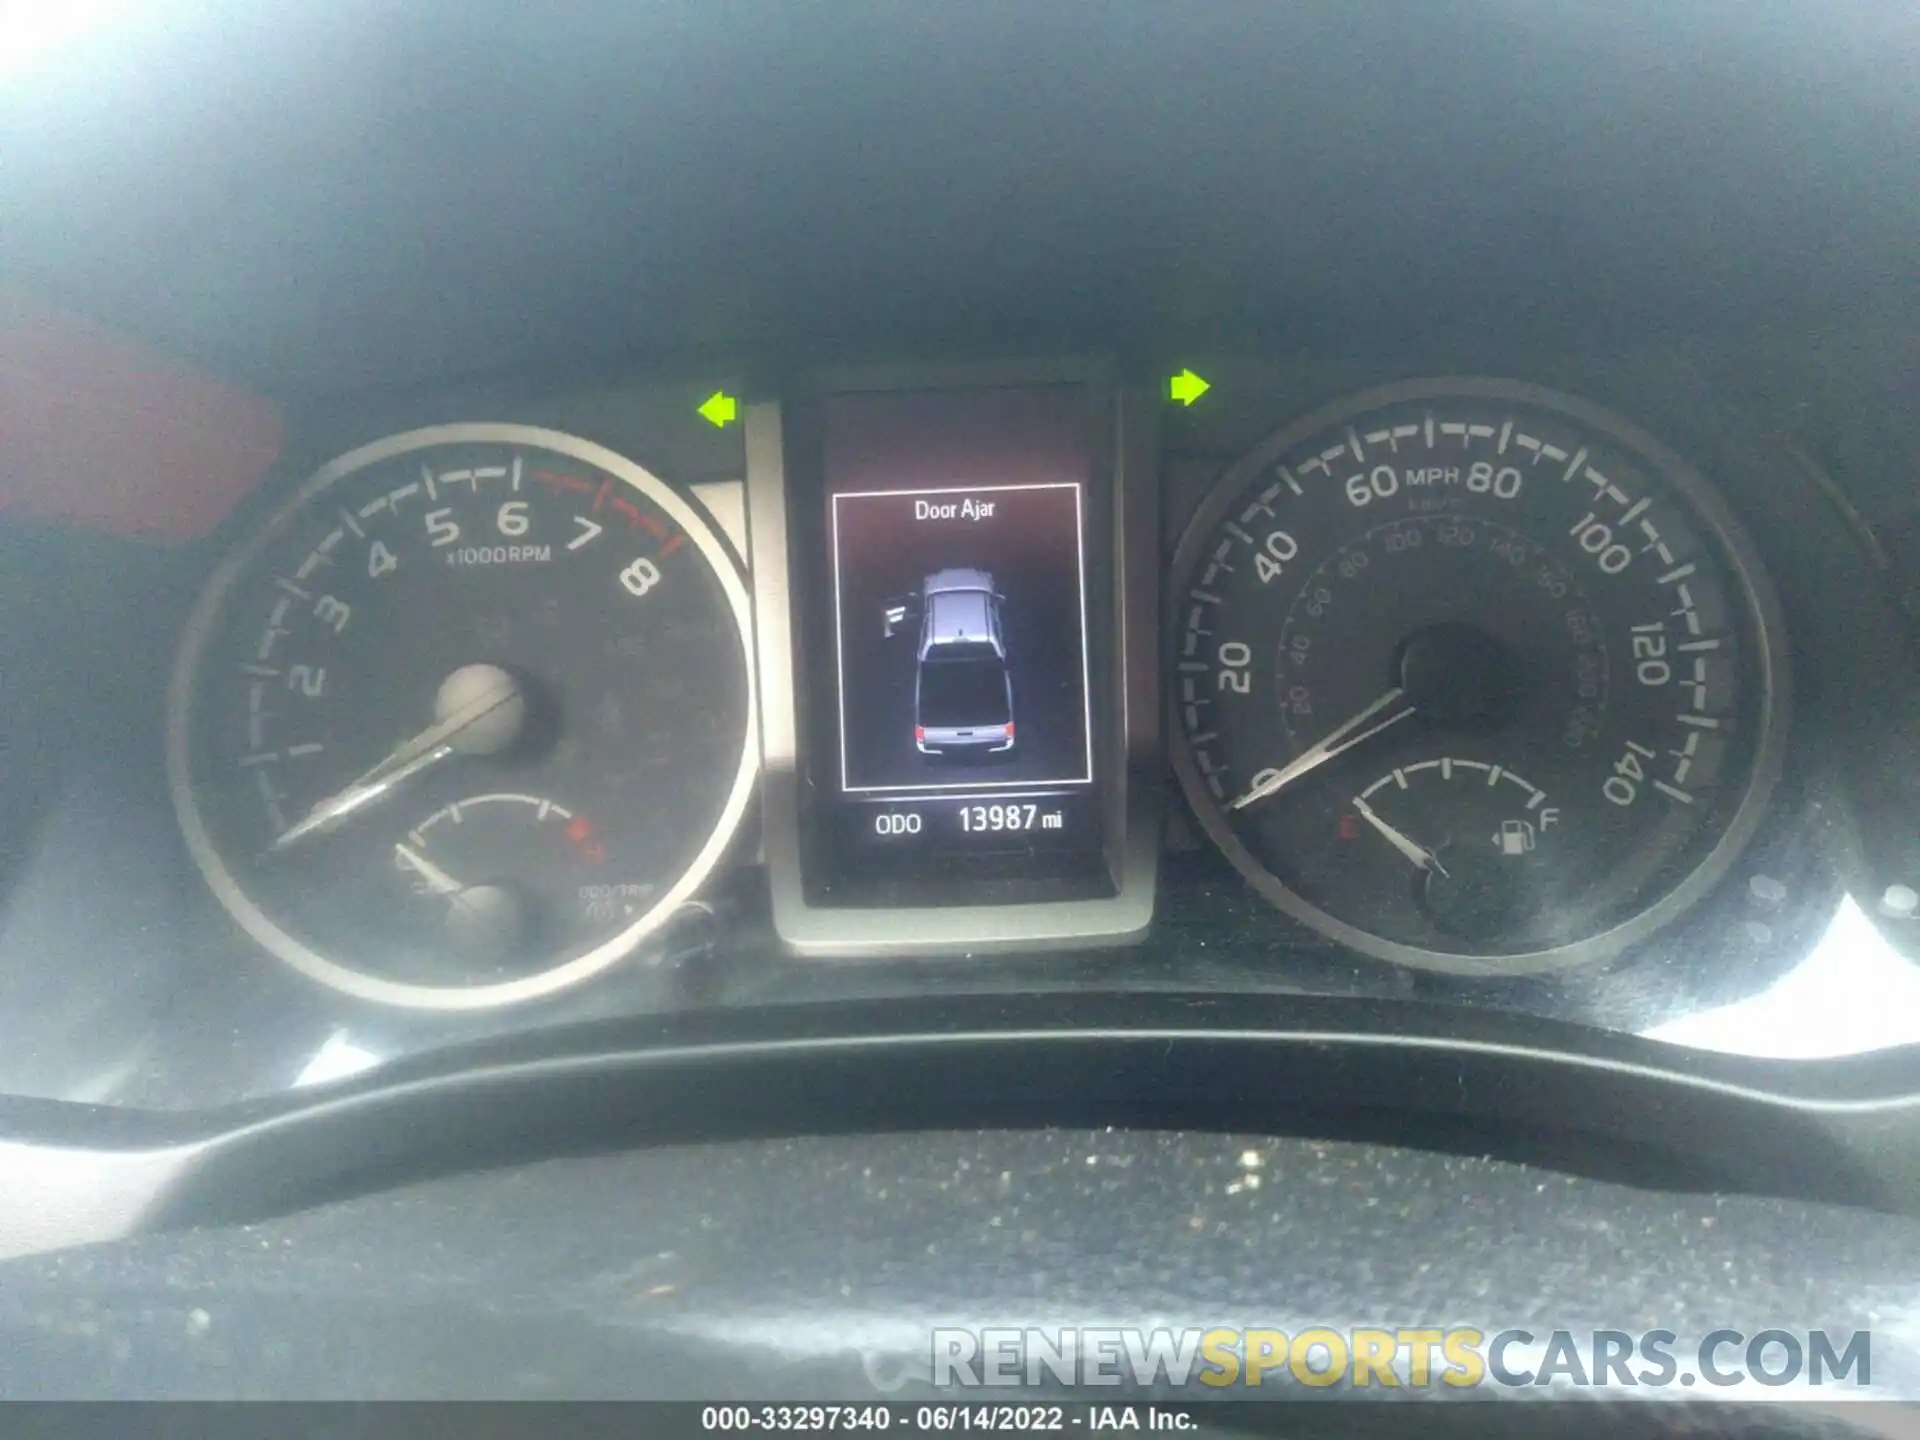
{"points": [[1422, 857], [442, 883], [459, 896]]}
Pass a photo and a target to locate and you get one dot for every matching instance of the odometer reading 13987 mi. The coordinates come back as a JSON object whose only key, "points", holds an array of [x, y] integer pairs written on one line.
{"points": [[1471, 675]]}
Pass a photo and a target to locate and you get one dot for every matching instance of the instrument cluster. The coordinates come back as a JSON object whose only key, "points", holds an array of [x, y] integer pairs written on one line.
{"points": [[1241, 675]]}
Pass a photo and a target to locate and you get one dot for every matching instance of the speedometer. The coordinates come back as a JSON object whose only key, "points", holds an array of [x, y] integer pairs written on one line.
{"points": [[1475, 676], [468, 719]]}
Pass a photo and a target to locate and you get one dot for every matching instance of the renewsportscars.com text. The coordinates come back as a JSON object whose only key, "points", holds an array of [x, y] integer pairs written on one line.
{"points": [[1413, 1357]]}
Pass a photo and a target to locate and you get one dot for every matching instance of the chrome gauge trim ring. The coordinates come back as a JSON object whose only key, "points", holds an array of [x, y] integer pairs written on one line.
{"points": [[345, 978], [1771, 676]]}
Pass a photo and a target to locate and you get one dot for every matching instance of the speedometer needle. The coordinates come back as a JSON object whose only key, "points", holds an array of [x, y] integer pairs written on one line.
{"points": [[1343, 738], [1422, 857], [481, 709]]}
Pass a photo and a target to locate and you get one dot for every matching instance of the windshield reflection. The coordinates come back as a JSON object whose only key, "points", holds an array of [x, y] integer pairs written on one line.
{"points": [[1853, 993]]}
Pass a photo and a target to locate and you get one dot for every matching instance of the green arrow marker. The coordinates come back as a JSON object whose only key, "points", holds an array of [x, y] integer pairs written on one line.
{"points": [[1187, 387], [719, 409]]}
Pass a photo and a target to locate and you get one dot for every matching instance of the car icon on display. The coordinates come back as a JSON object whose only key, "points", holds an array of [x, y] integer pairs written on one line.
{"points": [[962, 693]]}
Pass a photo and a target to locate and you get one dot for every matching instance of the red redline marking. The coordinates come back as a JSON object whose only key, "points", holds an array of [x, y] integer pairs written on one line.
{"points": [[562, 482], [622, 506]]}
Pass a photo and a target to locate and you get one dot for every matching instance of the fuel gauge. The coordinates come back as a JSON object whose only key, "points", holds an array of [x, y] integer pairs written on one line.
{"points": [[1488, 829]]}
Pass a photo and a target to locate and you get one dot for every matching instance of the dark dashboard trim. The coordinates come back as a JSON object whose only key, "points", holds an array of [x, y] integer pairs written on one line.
{"points": [[1846, 1131]]}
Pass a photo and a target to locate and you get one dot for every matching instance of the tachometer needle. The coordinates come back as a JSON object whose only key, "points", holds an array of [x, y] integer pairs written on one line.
{"points": [[481, 709], [1343, 738], [1422, 857]]}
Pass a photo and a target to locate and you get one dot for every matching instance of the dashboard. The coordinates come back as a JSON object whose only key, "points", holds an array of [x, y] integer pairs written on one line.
{"points": [[1352, 629]]}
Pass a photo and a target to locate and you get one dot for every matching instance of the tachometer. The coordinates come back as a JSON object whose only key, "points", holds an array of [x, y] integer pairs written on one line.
{"points": [[1475, 676], [468, 719]]}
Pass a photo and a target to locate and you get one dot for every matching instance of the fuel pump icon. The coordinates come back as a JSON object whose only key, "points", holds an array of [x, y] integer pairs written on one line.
{"points": [[1518, 837], [1515, 837]]}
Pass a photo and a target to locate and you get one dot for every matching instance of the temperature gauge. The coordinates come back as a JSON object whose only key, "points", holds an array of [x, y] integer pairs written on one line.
{"points": [[502, 873]]}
